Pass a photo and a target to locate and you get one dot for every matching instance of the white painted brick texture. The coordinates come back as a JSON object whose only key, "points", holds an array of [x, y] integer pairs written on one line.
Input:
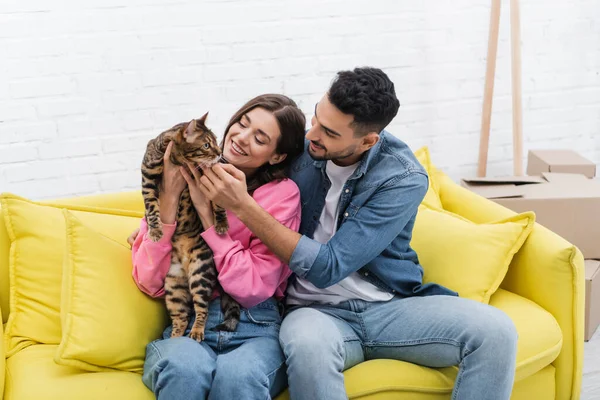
{"points": [[85, 84]]}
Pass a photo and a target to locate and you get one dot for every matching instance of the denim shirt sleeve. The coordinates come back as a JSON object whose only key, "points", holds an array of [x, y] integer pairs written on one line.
{"points": [[363, 237]]}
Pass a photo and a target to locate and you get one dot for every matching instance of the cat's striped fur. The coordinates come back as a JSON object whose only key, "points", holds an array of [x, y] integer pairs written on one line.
{"points": [[192, 276]]}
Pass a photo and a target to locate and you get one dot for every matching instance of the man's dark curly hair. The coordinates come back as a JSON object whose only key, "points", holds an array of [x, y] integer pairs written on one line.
{"points": [[368, 94]]}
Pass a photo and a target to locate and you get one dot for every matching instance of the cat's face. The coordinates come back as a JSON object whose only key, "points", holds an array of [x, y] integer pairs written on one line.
{"points": [[195, 143]]}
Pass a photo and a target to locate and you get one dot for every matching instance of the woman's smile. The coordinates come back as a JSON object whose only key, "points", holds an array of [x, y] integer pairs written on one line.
{"points": [[238, 149]]}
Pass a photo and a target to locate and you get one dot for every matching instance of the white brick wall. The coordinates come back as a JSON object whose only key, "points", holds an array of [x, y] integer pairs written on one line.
{"points": [[85, 84]]}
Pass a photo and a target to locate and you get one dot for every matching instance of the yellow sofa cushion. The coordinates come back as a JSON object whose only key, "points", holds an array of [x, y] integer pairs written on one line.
{"points": [[471, 259], [2, 357], [4, 251], [547, 270], [540, 340], [33, 374], [540, 337], [37, 236], [120, 202], [106, 320], [432, 197]]}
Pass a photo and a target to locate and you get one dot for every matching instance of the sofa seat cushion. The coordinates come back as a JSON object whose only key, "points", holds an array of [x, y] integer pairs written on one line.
{"points": [[540, 341], [32, 374], [540, 337]]}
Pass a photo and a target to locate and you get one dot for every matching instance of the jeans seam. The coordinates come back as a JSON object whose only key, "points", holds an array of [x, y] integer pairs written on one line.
{"points": [[462, 345], [363, 328], [158, 369], [416, 341], [156, 349], [268, 376], [275, 370], [459, 376]]}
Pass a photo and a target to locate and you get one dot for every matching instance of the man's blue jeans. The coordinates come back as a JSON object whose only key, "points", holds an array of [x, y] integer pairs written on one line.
{"points": [[245, 364], [320, 342]]}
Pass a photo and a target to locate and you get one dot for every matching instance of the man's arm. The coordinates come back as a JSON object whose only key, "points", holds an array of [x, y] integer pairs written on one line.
{"points": [[364, 236], [359, 240], [226, 186], [280, 239]]}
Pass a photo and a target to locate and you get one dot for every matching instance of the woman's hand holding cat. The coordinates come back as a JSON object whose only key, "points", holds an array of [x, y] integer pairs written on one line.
{"points": [[172, 181], [201, 203], [133, 236], [172, 186]]}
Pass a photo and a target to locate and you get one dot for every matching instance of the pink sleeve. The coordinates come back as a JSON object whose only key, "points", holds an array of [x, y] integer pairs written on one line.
{"points": [[252, 275], [152, 260]]}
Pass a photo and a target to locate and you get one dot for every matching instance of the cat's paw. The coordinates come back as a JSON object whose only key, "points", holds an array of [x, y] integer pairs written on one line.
{"points": [[197, 334], [221, 227], [155, 234], [227, 325]]}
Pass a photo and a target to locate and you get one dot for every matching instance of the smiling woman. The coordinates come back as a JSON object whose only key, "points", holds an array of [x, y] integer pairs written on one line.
{"points": [[260, 141], [248, 145], [254, 142]]}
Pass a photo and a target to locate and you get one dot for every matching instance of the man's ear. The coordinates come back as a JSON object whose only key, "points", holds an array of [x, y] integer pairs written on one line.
{"points": [[370, 140], [277, 158]]}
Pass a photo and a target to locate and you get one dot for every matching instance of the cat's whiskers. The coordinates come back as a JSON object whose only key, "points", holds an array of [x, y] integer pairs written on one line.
{"points": [[221, 159]]}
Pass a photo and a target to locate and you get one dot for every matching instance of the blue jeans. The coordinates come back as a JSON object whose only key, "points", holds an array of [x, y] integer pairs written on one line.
{"points": [[320, 342], [247, 363]]}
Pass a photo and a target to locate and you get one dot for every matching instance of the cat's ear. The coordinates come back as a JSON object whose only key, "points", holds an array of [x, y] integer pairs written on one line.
{"points": [[202, 120], [189, 128]]}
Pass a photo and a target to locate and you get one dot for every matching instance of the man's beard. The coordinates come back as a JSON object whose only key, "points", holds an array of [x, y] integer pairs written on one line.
{"points": [[340, 155]]}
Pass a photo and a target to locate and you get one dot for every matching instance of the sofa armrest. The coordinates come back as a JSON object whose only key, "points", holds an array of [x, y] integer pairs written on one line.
{"points": [[548, 270], [2, 358]]}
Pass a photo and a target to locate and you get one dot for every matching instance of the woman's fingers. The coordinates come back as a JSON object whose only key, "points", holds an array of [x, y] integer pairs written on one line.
{"points": [[186, 176], [167, 156], [133, 236], [207, 184], [233, 171], [194, 171], [204, 191], [208, 172]]}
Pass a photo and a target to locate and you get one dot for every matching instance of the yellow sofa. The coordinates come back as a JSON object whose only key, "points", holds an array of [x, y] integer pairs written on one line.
{"points": [[543, 293]]}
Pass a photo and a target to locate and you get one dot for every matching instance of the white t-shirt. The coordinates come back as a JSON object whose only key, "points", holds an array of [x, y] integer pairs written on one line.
{"points": [[302, 292]]}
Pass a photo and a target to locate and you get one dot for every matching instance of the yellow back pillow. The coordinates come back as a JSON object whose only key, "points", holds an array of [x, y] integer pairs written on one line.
{"points": [[471, 259], [106, 320], [37, 236], [432, 197]]}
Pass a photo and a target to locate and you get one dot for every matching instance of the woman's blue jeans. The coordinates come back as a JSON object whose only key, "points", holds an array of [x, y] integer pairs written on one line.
{"points": [[245, 364]]}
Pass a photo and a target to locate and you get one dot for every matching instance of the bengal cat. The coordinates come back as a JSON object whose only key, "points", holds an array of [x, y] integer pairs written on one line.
{"points": [[192, 276]]}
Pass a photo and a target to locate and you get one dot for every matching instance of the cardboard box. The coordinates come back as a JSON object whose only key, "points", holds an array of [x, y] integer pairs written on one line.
{"points": [[592, 297], [567, 204], [562, 161]]}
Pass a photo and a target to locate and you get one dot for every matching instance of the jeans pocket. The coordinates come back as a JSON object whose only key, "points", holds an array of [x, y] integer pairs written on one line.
{"points": [[263, 316]]}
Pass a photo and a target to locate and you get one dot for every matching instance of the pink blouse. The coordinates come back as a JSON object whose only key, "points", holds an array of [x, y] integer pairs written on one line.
{"points": [[247, 269]]}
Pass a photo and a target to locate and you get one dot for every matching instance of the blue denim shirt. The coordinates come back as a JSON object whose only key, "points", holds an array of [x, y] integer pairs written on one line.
{"points": [[378, 206]]}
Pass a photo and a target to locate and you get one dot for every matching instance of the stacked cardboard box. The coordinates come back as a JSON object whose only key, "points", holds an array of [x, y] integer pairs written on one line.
{"points": [[560, 190]]}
